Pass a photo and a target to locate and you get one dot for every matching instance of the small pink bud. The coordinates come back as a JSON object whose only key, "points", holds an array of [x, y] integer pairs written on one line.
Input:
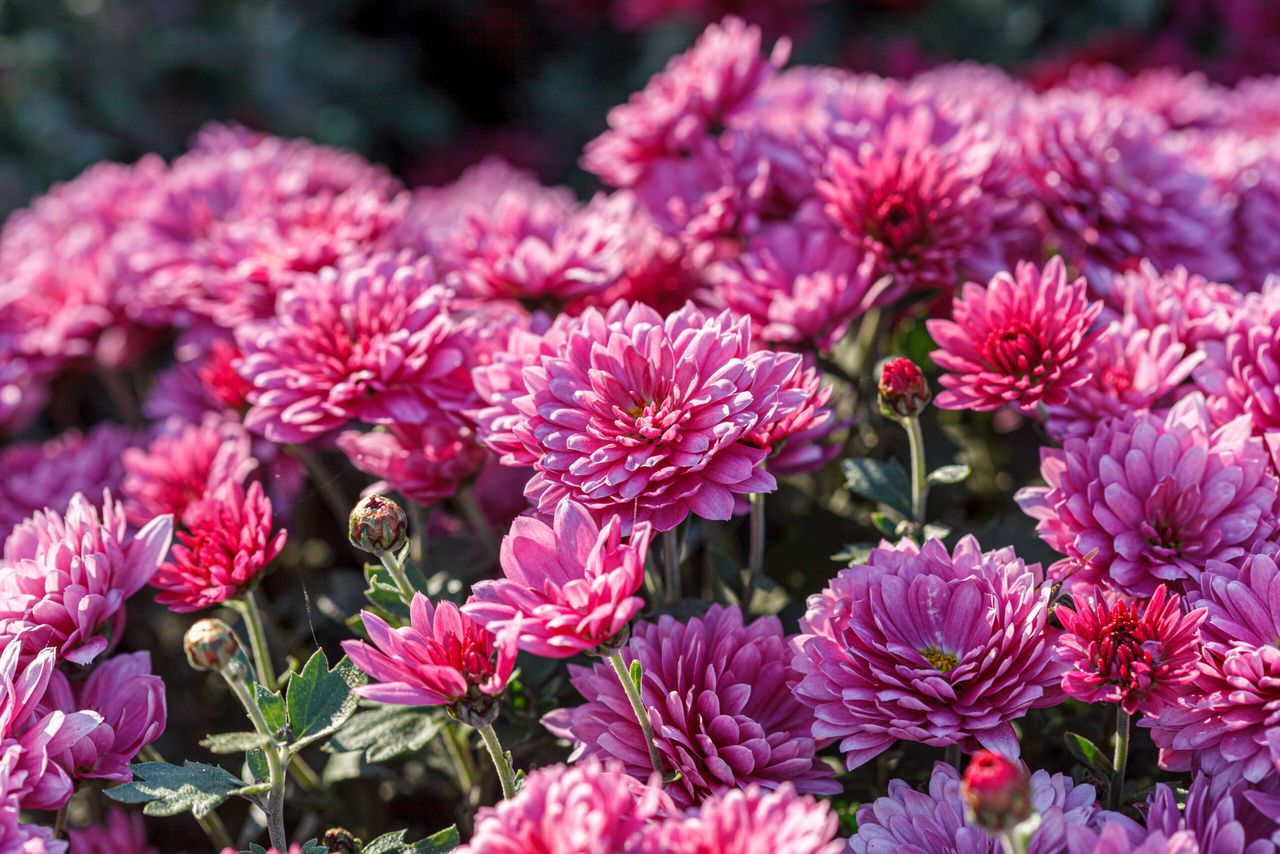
{"points": [[904, 392], [210, 645], [997, 791], [377, 525]]}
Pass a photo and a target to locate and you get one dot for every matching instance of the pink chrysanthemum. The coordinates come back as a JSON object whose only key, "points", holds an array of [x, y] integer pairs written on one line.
{"points": [[642, 416], [1020, 341], [697, 92], [1240, 373], [933, 822], [926, 646], [799, 284], [227, 545], [751, 821], [1195, 310], [717, 695], [183, 464], [16, 837], [442, 658], [569, 586], [1137, 655], [65, 576], [1228, 723], [371, 342], [1153, 498], [48, 474], [425, 463], [219, 377], [1130, 370], [806, 439], [587, 808], [122, 831]]}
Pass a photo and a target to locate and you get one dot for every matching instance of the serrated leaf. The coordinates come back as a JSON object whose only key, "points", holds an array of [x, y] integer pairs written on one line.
{"points": [[949, 474], [1089, 755], [234, 742], [884, 482], [320, 699], [387, 732], [169, 789], [394, 843], [272, 705]]}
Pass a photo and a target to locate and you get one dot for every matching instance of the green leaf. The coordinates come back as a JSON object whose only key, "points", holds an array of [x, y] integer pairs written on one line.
{"points": [[853, 553], [934, 531], [387, 732], [311, 846], [394, 843], [272, 705], [637, 673], [168, 790], [234, 742], [880, 481], [320, 699], [949, 474], [884, 523], [1089, 755]]}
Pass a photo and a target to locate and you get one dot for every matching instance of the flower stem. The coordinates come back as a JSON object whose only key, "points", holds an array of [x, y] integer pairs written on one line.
{"points": [[637, 706], [755, 556], [1009, 843], [919, 474], [395, 568], [954, 757], [476, 520], [671, 564], [460, 757], [499, 760], [1120, 759], [274, 806], [252, 613]]}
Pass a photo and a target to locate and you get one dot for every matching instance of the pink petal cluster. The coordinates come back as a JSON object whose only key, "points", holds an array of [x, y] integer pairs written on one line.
{"points": [[1152, 498], [751, 821], [927, 646], [1194, 309], [425, 463], [225, 547], [809, 436], [15, 836], [717, 694], [1021, 341], [49, 473], [64, 577], [1239, 374], [567, 587], [441, 658]]}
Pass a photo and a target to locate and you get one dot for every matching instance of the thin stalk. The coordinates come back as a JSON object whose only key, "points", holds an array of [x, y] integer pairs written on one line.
{"points": [[755, 554], [274, 806], [671, 564], [919, 474], [395, 568], [499, 760], [864, 343], [476, 520], [211, 824], [417, 533], [252, 613], [60, 822], [460, 757], [306, 776], [1121, 758], [637, 705], [325, 482]]}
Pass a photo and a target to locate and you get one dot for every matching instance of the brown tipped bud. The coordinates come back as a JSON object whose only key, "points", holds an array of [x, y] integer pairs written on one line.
{"points": [[996, 791], [904, 392], [340, 841], [210, 645], [377, 525]]}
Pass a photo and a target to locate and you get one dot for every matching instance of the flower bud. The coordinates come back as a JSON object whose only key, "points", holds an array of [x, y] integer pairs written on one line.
{"points": [[996, 791], [377, 525], [340, 841], [904, 392], [210, 645]]}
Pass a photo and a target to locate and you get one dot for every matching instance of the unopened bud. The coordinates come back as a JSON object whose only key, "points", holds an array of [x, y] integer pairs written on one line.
{"points": [[210, 645], [996, 791], [904, 392], [339, 841], [377, 525]]}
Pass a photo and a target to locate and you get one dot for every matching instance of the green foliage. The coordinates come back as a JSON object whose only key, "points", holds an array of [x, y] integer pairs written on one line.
{"points": [[234, 742], [320, 699], [169, 789], [385, 733], [394, 843], [1090, 755], [885, 482]]}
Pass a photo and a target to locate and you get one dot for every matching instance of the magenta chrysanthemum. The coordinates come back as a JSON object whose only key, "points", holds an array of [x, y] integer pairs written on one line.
{"points": [[642, 416], [16, 837], [183, 464], [1150, 499], [65, 576], [370, 342], [1194, 309], [717, 694], [806, 439], [227, 544], [751, 821], [442, 658], [1241, 371], [926, 646], [48, 474], [1020, 341], [1137, 655], [425, 463], [568, 587], [933, 822]]}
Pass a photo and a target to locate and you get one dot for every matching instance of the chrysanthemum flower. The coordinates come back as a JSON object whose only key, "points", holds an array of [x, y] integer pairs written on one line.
{"points": [[120, 831], [48, 474], [569, 586], [1152, 498], [1130, 369], [1219, 813], [442, 658], [15, 836], [370, 342], [65, 576], [1194, 309], [425, 463], [1239, 375], [933, 822], [926, 646], [1228, 723], [642, 417], [717, 695], [227, 545], [183, 464], [751, 821], [1136, 654], [219, 377], [809, 437], [1020, 341]]}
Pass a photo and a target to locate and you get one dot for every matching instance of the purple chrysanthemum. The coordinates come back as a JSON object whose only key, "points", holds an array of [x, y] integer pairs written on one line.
{"points": [[750, 821], [425, 463], [48, 474]]}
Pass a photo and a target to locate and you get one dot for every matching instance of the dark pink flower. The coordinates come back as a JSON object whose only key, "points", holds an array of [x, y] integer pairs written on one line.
{"points": [[48, 474], [220, 378], [1139, 655], [996, 790], [1239, 375], [121, 832], [926, 646], [751, 821], [808, 437], [227, 545], [717, 694], [903, 391], [569, 587], [425, 463], [1020, 341]]}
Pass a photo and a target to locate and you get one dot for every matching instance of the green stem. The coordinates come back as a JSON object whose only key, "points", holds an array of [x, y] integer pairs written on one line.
{"points": [[306, 776], [755, 555], [476, 520], [919, 474], [252, 613], [325, 482], [864, 344], [1121, 758], [671, 564], [274, 806], [395, 568], [637, 706], [499, 760], [460, 757], [211, 824]]}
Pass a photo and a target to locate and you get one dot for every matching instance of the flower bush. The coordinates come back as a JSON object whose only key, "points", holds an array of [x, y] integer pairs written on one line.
{"points": [[870, 464]]}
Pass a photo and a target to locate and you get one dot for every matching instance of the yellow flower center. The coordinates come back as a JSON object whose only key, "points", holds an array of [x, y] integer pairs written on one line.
{"points": [[943, 662]]}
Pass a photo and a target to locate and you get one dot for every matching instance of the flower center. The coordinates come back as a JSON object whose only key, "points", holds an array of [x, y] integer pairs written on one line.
{"points": [[1116, 378], [1013, 349], [1120, 647], [943, 662]]}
